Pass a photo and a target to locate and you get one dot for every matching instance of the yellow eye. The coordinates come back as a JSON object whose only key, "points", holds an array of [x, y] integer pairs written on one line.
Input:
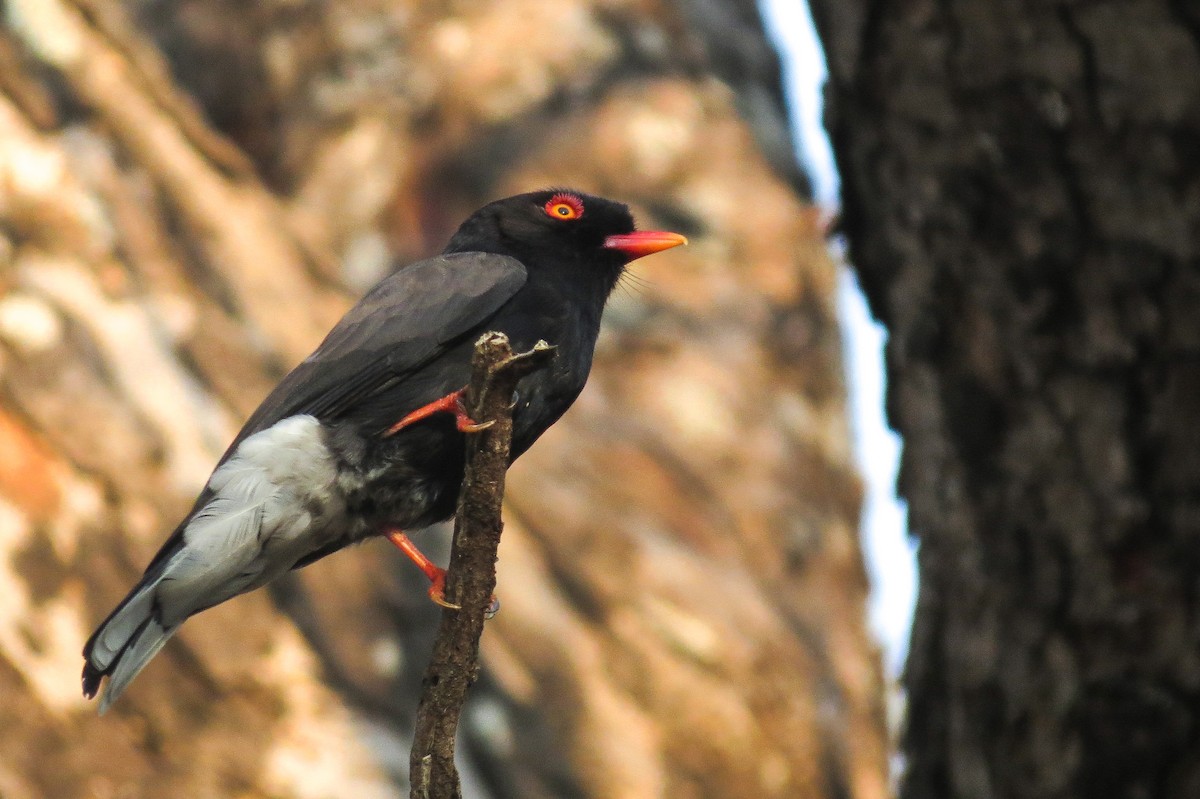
{"points": [[564, 206]]}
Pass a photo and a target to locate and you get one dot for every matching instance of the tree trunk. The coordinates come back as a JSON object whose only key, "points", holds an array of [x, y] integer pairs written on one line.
{"points": [[192, 191], [1022, 201]]}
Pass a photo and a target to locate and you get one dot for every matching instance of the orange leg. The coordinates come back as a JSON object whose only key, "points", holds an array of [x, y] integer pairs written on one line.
{"points": [[435, 573], [451, 403]]}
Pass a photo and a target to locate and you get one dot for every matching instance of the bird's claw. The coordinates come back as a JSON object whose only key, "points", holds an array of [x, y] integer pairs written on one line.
{"points": [[468, 425], [463, 420], [451, 403], [437, 591], [435, 573]]}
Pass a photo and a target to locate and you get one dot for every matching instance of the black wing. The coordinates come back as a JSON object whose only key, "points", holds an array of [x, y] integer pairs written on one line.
{"points": [[402, 324]]}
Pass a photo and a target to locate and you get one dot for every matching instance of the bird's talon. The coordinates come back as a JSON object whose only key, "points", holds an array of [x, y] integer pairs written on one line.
{"points": [[463, 420], [492, 609], [473, 427], [441, 600], [437, 592]]}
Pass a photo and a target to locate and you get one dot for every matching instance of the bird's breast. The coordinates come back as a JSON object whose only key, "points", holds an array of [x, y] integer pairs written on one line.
{"points": [[544, 396]]}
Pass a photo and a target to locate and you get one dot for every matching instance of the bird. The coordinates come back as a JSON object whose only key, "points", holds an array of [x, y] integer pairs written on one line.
{"points": [[366, 437]]}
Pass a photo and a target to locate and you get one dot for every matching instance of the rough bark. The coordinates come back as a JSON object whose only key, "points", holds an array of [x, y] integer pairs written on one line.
{"points": [[471, 574], [189, 197], [1022, 201]]}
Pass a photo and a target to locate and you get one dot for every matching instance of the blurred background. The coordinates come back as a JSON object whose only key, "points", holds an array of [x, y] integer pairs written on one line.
{"points": [[192, 191]]}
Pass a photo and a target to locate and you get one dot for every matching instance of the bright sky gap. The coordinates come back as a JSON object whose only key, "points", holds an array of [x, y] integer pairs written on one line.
{"points": [[889, 553]]}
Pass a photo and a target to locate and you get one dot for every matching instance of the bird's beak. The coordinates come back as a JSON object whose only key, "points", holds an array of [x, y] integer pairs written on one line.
{"points": [[644, 242]]}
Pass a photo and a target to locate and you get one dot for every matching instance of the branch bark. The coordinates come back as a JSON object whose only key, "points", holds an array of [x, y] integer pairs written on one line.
{"points": [[471, 575]]}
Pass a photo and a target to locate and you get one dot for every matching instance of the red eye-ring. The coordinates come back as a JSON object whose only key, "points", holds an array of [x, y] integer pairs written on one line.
{"points": [[564, 206]]}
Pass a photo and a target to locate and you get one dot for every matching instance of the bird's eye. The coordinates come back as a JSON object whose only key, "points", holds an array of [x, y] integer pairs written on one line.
{"points": [[564, 206]]}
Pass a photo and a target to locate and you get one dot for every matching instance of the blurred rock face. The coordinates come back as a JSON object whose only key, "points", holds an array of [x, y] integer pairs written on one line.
{"points": [[681, 584]]}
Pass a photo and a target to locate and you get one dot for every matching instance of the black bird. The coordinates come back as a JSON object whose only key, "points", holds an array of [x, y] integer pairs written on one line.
{"points": [[352, 443]]}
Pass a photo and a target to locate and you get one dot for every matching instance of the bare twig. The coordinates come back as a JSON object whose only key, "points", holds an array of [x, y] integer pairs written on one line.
{"points": [[471, 576]]}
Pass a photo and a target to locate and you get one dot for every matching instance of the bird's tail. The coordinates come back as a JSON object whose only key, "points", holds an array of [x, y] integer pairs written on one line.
{"points": [[126, 641]]}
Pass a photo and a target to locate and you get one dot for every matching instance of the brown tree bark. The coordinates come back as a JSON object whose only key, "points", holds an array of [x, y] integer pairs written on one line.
{"points": [[471, 574], [1022, 203], [190, 193]]}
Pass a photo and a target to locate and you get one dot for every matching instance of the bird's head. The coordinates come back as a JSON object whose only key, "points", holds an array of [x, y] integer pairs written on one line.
{"points": [[562, 229]]}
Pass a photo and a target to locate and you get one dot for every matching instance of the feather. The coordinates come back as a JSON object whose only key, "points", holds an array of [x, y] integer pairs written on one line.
{"points": [[144, 645], [256, 523], [117, 632]]}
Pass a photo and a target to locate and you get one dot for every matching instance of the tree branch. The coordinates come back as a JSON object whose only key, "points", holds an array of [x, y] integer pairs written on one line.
{"points": [[471, 576]]}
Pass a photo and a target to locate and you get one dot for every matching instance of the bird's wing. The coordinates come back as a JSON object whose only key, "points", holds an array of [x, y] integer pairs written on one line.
{"points": [[402, 324]]}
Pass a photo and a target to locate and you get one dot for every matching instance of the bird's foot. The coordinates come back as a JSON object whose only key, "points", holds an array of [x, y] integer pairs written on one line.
{"points": [[435, 573], [451, 403], [437, 590]]}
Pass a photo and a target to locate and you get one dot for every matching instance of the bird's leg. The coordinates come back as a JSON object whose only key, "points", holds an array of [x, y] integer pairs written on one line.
{"points": [[451, 403], [435, 573]]}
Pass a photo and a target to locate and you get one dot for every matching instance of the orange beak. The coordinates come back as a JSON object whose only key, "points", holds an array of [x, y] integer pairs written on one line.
{"points": [[644, 242]]}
